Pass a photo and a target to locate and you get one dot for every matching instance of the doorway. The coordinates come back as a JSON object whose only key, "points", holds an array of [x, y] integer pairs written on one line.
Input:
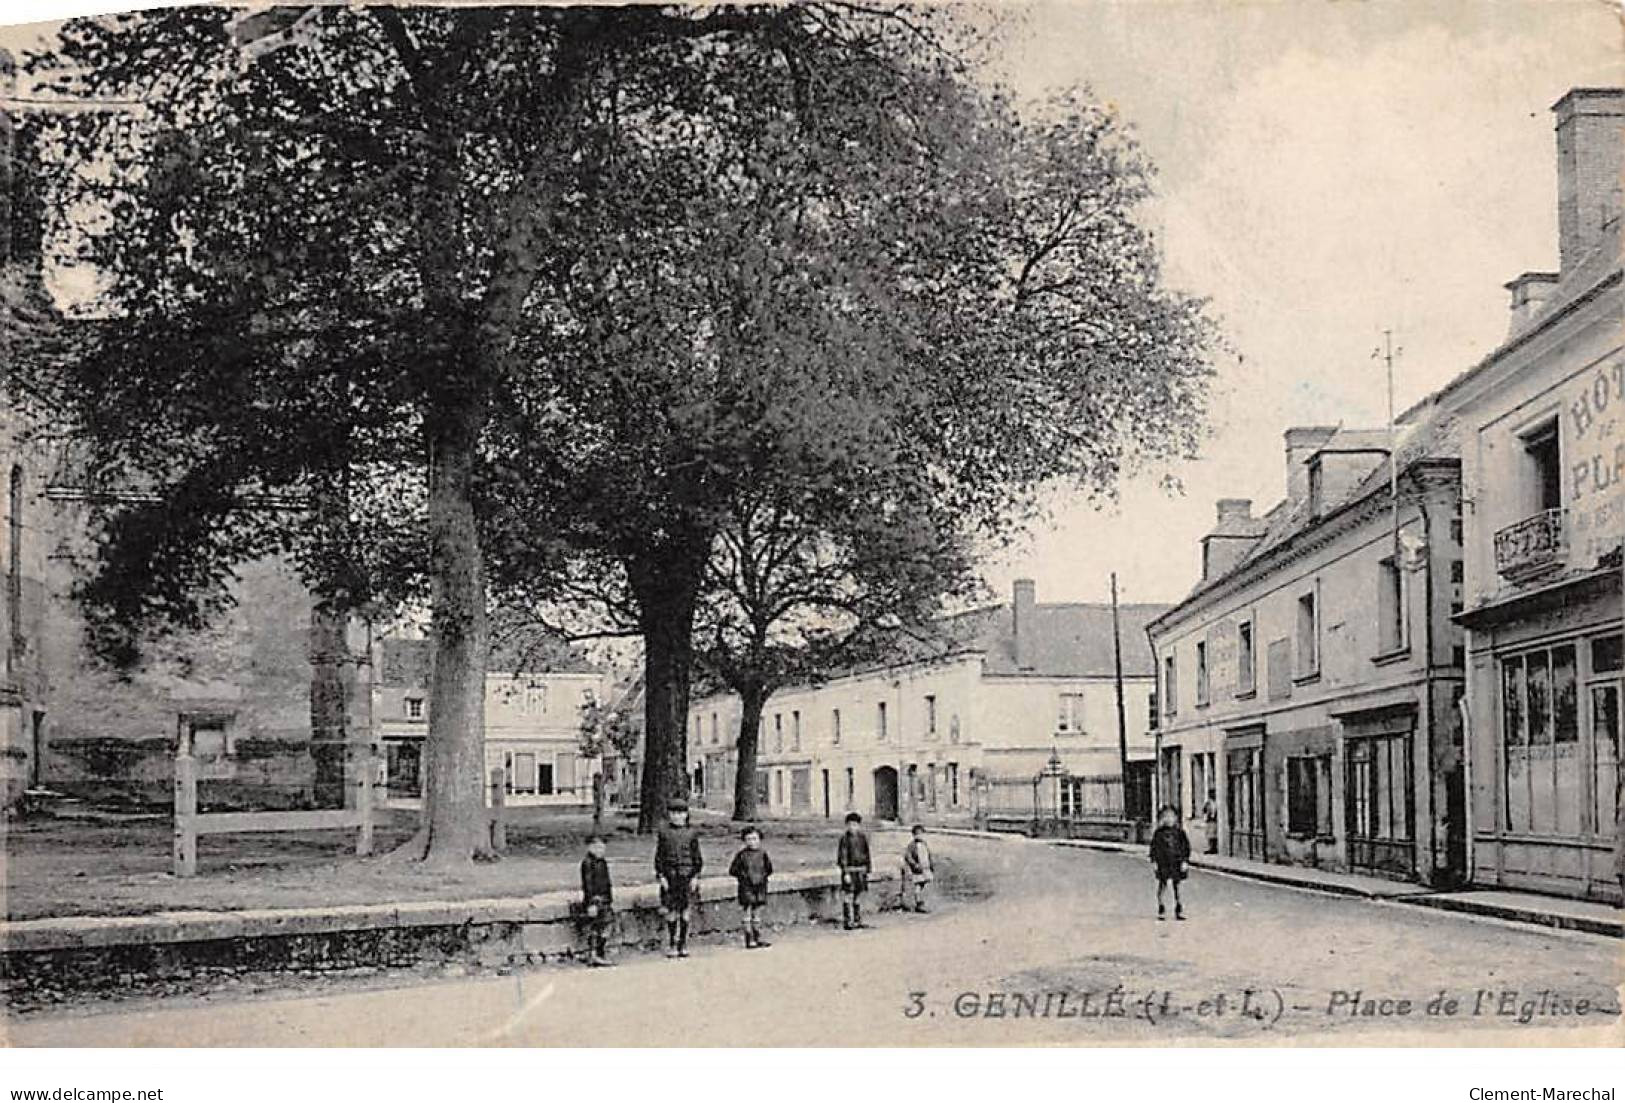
{"points": [[825, 774], [36, 771], [886, 793]]}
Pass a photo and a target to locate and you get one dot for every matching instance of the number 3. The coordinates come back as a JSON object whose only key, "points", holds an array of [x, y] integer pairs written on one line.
{"points": [[916, 1005]]}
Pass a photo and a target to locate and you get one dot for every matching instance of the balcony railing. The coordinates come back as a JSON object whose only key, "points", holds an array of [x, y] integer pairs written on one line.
{"points": [[1532, 546]]}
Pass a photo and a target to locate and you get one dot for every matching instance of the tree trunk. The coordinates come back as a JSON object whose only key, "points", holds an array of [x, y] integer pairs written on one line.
{"points": [[454, 828], [666, 594], [753, 699]]}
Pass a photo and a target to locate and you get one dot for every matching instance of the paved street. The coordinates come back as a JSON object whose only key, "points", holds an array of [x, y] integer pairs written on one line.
{"points": [[1065, 950]]}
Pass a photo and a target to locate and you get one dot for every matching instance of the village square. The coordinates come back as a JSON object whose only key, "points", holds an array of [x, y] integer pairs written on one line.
{"points": [[650, 526]]}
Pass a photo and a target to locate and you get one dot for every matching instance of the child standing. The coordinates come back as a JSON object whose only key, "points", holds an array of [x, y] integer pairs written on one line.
{"points": [[752, 867], [1170, 850], [852, 855], [917, 866], [677, 866], [597, 901]]}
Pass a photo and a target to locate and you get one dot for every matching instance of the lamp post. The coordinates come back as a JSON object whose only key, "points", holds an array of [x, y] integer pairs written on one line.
{"points": [[1052, 773]]}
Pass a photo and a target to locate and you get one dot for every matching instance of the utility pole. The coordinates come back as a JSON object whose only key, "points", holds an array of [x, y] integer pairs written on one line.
{"points": [[1122, 719], [1386, 353]]}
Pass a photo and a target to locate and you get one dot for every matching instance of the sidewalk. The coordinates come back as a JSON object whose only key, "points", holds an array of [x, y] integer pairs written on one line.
{"points": [[1589, 916]]}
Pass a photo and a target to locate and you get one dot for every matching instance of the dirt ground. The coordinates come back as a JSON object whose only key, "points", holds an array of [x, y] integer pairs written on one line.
{"points": [[74, 867]]}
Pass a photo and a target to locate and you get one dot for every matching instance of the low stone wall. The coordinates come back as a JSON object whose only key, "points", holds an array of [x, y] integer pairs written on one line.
{"points": [[46, 959]]}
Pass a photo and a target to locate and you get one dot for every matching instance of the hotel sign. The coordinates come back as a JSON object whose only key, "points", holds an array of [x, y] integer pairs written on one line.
{"points": [[1595, 407]]}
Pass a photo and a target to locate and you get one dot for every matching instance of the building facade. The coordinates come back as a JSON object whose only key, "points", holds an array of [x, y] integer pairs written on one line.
{"points": [[965, 728], [1309, 682], [1543, 422], [532, 726]]}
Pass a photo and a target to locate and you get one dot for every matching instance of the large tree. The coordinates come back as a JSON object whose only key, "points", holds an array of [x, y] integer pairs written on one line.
{"points": [[314, 272]]}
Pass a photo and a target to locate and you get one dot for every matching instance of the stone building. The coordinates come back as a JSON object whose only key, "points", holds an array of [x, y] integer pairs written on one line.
{"points": [[1309, 681], [1543, 458], [533, 717], [973, 716]]}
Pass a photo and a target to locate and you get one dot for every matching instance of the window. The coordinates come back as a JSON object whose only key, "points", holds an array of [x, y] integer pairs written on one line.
{"points": [[1070, 714], [414, 708], [795, 730], [716, 736], [1201, 672], [1154, 714], [1540, 735], [880, 720], [1198, 785], [930, 715], [1308, 637], [1309, 796], [1170, 685], [835, 726], [1545, 467], [778, 732], [761, 786], [1246, 661], [1390, 607], [14, 562], [851, 788], [534, 701], [778, 787], [210, 742], [1604, 731], [953, 784], [521, 769], [1455, 530]]}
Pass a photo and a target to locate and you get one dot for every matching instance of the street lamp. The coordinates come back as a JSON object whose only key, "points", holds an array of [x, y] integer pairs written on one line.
{"points": [[1052, 773]]}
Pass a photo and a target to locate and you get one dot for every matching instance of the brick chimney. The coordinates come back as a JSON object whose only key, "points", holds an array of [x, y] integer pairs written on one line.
{"points": [[1303, 441], [1529, 294], [1590, 135], [1023, 605]]}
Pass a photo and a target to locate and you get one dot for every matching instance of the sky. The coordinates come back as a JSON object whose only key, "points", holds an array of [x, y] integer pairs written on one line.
{"points": [[1326, 171]]}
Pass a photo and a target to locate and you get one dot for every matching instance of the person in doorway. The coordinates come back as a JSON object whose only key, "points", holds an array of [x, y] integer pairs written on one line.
{"points": [[852, 855], [678, 863], [917, 868], [751, 868], [1210, 822], [1170, 851], [597, 901]]}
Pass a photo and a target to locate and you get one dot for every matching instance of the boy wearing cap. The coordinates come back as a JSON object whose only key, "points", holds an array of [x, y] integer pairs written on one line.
{"points": [[677, 867], [852, 855], [597, 900]]}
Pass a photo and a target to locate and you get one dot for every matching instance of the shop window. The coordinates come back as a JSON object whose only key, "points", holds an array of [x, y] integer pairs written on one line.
{"points": [[1543, 777]]}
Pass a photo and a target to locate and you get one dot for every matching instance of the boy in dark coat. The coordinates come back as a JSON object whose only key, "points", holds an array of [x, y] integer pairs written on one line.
{"points": [[852, 855], [677, 867], [752, 867], [1170, 850], [917, 867], [597, 901]]}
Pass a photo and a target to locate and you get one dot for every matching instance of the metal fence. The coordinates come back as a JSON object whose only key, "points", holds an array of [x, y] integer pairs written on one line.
{"points": [[1050, 803]]}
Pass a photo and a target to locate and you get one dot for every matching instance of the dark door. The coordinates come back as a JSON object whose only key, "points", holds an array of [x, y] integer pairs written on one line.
{"points": [[1381, 816], [1245, 801], [886, 793]]}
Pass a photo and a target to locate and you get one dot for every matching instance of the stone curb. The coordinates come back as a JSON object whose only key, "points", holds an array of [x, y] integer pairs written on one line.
{"points": [[98, 932]]}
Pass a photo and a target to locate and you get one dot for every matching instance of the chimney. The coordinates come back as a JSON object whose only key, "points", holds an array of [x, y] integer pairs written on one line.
{"points": [[1023, 602], [1589, 139], [1233, 536], [1529, 294], [1302, 442]]}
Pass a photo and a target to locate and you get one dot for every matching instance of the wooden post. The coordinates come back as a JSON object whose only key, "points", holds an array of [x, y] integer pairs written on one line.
{"points": [[185, 804], [365, 769], [499, 828]]}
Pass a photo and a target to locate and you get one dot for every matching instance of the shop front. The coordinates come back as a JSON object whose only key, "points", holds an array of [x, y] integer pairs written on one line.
{"points": [[1545, 739]]}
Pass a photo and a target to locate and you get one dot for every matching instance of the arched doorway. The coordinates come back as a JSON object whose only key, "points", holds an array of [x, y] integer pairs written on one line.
{"points": [[886, 793]]}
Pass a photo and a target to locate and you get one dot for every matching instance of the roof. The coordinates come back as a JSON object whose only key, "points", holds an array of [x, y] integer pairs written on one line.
{"points": [[1427, 434], [406, 661], [1069, 640]]}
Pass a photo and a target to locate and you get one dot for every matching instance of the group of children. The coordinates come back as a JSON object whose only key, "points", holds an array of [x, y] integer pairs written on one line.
{"points": [[678, 863]]}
